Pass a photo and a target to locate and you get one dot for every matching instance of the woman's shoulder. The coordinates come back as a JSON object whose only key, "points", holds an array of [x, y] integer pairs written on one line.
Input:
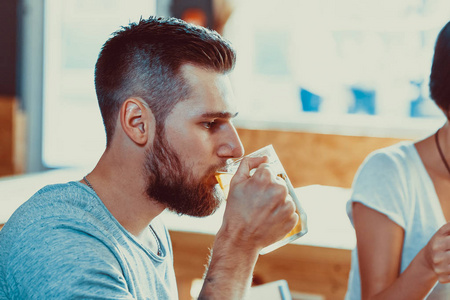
{"points": [[399, 155], [398, 150]]}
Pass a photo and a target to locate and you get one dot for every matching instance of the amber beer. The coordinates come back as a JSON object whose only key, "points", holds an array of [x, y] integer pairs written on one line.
{"points": [[225, 175]]}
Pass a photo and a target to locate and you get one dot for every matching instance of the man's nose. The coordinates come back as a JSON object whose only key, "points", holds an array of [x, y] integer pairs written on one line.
{"points": [[231, 146]]}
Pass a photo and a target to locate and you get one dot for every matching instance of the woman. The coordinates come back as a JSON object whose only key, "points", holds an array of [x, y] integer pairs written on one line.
{"points": [[400, 208]]}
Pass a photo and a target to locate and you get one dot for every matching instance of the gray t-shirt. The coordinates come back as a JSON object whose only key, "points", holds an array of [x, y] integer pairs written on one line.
{"points": [[64, 244]]}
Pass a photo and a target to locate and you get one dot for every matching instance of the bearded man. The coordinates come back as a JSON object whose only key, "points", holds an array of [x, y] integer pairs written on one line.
{"points": [[167, 106]]}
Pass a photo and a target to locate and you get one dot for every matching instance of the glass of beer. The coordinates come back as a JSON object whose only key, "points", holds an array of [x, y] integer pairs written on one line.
{"points": [[225, 175]]}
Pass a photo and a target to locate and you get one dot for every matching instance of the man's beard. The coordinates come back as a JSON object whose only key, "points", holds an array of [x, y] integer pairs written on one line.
{"points": [[173, 184]]}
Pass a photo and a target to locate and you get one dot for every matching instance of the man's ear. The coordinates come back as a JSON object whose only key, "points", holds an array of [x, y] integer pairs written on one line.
{"points": [[137, 120]]}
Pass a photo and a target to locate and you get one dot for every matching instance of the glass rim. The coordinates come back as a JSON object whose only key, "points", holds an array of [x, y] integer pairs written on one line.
{"points": [[232, 162]]}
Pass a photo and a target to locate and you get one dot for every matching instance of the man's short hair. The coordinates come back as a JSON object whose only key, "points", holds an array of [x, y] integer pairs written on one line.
{"points": [[143, 60], [440, 71]]}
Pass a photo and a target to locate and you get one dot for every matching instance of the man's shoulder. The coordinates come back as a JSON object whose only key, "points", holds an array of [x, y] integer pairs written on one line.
{"points": [[60, 191], [51, 200], [50, 236], [50, 205], [61, 216]]}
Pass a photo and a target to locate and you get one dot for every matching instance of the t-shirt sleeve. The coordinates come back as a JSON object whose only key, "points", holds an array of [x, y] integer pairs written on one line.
{"points": [[73, 264], [379, 185]]}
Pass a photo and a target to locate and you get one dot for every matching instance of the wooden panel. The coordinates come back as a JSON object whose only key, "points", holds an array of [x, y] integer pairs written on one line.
{"points": [[315, 270], [307, 269], [20, 144], [12, 137], [7, 108], [191, 252], [311, 158]]}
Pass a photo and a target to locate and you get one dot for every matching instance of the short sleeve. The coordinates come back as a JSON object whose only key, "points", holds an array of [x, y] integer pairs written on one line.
{"points": [[380, 185], [73, 264]]}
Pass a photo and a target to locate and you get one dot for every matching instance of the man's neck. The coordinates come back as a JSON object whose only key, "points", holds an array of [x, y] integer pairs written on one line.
{"points": [[121, 187]]}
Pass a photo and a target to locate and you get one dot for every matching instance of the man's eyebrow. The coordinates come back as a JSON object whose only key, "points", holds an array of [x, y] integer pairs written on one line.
{"points": [[219, 115]]}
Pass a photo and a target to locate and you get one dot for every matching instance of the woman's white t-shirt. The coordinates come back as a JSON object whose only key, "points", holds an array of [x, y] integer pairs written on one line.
{"points": [[394, 182]]}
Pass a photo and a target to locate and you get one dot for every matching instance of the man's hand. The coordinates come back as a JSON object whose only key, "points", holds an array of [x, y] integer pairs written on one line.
{"points": [[259, 212], [259, 209]]}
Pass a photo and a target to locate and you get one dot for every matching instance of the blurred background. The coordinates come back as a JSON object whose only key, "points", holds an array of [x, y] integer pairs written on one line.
{"points": [[351, 68], [336, 68], [326, 82]]}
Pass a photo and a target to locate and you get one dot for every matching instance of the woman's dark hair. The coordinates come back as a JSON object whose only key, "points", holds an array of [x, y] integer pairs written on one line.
{"points": [[143, 60], [440, 71]]}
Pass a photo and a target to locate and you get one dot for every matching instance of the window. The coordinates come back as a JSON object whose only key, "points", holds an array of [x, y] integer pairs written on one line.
{"points": [[347, 67], [343, 67], [75, 30]]}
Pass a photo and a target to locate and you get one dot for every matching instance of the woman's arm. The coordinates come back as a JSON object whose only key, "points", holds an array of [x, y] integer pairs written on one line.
{"points": [[379, 244]]}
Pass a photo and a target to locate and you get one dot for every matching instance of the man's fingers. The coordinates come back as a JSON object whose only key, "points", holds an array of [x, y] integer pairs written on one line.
{"points": [[247, 164]]}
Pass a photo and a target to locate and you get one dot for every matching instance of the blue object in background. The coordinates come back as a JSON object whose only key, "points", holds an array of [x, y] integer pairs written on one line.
{"points": [[364, 101], [310, 101], [416, 109]]}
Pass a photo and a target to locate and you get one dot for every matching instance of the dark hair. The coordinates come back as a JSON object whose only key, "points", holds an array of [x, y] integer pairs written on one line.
{"points": [[143, 60], [440, 71]]}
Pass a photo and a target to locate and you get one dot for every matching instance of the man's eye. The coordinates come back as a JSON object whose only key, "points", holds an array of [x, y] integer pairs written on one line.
{"points": [[209, 125]]}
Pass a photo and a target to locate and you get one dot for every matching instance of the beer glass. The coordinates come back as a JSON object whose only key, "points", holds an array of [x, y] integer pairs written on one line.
{"points": [[225, 175]]}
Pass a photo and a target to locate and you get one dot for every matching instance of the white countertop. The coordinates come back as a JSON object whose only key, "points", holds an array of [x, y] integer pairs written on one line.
{"points": [[325, 206], [328, 224]]}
